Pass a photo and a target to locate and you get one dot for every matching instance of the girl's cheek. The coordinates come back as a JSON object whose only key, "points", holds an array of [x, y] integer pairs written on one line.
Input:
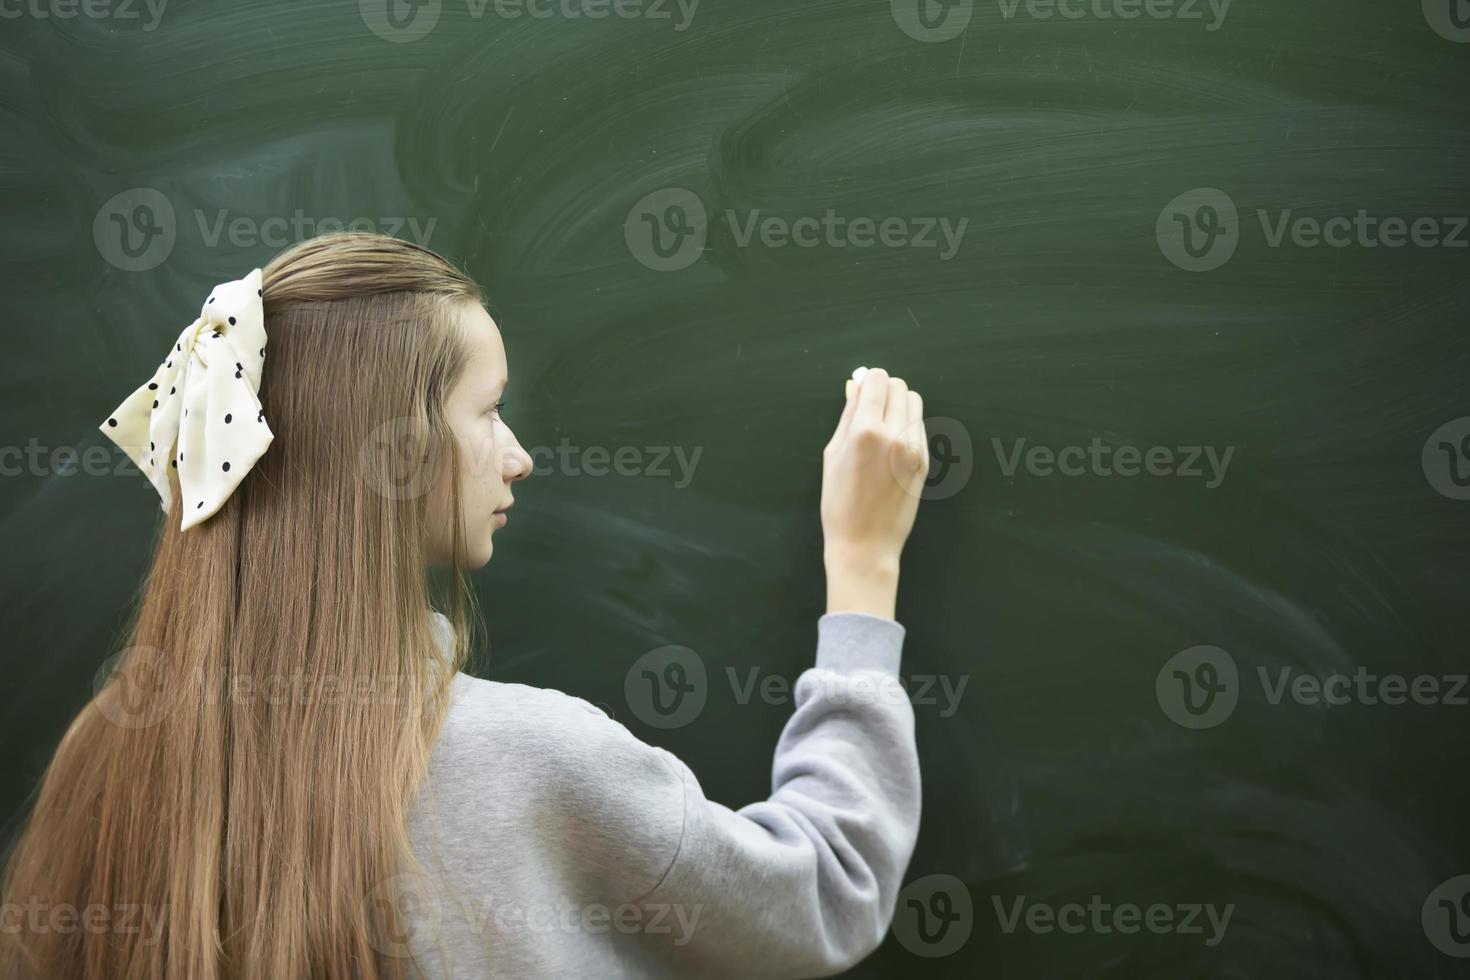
{"points": [[481, 455]]}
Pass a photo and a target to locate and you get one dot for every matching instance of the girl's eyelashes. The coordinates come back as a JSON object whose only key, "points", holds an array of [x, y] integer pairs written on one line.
{"points": [[495, 409]]}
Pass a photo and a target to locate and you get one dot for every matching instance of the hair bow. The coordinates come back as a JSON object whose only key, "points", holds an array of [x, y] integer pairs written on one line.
{"points": [[199, 415]]}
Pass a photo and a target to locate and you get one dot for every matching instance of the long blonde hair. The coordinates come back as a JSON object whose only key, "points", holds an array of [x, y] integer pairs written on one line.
{"points": [[237, 792]]}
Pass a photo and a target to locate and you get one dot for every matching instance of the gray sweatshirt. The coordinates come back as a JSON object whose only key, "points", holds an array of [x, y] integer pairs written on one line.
{"points": [[554, 843]]}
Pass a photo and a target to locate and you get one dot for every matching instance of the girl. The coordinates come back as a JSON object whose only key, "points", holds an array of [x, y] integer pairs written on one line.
{"points": [[289, 776]]}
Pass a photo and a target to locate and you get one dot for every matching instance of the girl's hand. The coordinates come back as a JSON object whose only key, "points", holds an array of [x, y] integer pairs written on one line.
{"points": [[873, 472]]}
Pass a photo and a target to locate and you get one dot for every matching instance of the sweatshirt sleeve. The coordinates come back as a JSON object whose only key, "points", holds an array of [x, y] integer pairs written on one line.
{"points": [[802, 883]]}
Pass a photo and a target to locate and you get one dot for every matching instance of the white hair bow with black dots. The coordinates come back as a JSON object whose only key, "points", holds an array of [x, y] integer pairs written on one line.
{"points": [[199, 416]]}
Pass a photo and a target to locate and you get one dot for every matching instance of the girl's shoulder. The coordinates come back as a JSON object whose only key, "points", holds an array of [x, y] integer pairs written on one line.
{"points": [[480, 702], [518, 720], [514, 746]]}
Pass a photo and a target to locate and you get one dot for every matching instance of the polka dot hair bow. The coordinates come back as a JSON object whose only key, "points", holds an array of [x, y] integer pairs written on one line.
{"points": [[199, 417]]}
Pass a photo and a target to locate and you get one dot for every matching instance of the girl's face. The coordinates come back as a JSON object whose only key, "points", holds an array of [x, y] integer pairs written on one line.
{"points": [[491, 458]]}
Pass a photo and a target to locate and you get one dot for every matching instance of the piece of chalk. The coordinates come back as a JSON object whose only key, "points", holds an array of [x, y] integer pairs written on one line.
{"points": [[857, 377]]}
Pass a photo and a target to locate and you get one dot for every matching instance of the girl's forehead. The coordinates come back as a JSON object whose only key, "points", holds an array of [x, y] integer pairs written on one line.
{"points": [[487, 369]]}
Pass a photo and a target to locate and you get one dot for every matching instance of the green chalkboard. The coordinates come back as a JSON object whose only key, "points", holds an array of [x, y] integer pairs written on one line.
{"points": [[1184, 284]]}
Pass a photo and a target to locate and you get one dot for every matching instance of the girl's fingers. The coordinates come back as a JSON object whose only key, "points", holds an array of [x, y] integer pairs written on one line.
{"points": [[917, 436], [871, 397], [896, 408]]}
